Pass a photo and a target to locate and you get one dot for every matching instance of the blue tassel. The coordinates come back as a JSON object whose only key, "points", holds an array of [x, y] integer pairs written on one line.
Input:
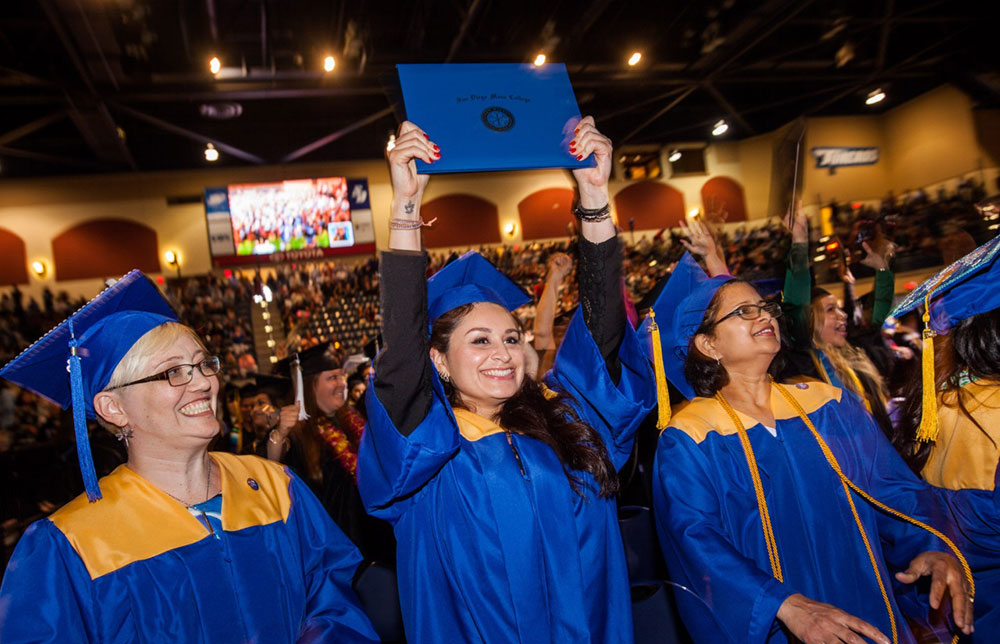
{"points": [[80, 421]]}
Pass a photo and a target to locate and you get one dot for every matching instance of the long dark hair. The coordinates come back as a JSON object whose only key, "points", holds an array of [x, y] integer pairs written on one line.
{"points": [[973, 344], [550, 420], [705, 375], [308, 432]]}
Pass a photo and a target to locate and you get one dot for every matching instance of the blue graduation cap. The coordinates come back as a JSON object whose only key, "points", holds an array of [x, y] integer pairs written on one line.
{"points": [[680, 308], [471, 278], [73, 362], [965, 288]]}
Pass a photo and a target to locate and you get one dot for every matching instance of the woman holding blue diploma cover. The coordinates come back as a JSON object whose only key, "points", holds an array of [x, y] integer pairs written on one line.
{"points": [[500, 489]]}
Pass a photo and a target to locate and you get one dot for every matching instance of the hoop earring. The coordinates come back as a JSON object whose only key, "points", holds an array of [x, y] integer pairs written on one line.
{"points": [[124, 434]]}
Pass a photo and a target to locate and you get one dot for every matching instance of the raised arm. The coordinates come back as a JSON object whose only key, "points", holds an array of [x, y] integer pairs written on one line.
{"points": [[798, 282], [599, 275], [885, 281], [403, 370], [559, 267], [700, 241]]}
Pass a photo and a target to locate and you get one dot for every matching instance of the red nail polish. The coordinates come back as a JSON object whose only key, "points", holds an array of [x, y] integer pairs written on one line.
{"points": [[427, 137], [576, 131], [579, 157], [572, 149], [437, 155], [436, 148]]}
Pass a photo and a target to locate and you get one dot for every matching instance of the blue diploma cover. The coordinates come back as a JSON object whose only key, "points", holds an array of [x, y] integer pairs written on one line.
{"points": [[493, 116]]}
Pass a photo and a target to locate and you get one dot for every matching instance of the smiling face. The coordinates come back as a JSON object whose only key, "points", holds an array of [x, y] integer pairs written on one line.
{"points": [[161, 415], [330, 390], [829, 322], [484, 358], [735, 340]]}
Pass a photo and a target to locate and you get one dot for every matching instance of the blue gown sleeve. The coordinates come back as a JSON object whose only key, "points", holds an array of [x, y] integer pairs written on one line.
{"points": [[46, 596], [333, 612], [736, 600], [392, 467], [615, 411]]}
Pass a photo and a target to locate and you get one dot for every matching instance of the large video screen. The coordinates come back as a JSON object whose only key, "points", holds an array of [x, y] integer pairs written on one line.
{"points": [[291, 215], [288, 220]]}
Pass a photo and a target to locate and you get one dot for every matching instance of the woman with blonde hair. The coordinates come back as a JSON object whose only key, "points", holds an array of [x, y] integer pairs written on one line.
{"points": [[178, 544]]}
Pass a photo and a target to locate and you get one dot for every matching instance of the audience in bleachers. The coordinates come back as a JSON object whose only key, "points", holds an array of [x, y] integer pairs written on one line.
{"points": [[322, 302]]}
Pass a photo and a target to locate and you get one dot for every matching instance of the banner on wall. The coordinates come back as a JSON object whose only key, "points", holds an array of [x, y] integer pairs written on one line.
{"points": [[295, 220], [839, 157]]}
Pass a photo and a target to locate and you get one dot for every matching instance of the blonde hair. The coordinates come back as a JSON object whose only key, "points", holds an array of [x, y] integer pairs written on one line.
{"points": [[134, 363], [847, 357]]}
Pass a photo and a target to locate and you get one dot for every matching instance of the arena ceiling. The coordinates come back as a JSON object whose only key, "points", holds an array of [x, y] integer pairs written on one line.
{"points": [[124, 85]]}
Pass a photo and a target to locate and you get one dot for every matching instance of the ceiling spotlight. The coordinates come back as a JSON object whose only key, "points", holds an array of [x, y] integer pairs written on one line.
{"points": [[720, 128], [39, 268], [539, 60], [211, 154], [215, 65], [675, 155], [510, 229], [329, 63], [875, 96], [172, 257], [634, 59]]}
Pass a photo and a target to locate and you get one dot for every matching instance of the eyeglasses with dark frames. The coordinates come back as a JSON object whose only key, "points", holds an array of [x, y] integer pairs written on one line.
{"points": [[182, 374], [750, 312]]}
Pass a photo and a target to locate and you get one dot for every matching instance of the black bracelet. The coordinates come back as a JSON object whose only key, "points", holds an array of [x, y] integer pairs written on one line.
{"points": [[592, 216]]}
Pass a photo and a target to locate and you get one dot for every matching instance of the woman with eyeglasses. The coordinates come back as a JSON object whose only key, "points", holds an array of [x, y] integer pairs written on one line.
{"points": [[782, 509], [178, 544]]}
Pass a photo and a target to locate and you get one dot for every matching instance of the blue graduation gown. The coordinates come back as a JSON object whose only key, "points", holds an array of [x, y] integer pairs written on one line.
{"points": [[488, 555], [136, 566], [710, 530]]}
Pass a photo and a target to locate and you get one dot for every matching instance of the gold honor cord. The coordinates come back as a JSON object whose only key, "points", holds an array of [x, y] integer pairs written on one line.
{"points": [[758, 488], [848, 485]]}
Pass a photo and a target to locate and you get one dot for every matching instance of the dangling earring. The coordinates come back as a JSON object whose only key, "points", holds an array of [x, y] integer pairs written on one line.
{"points": [[718, 361], [124, 434], [444, 377]]}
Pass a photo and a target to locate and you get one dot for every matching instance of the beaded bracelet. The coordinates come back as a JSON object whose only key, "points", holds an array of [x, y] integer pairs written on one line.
{"points": [[593, 216], [409, 224]]}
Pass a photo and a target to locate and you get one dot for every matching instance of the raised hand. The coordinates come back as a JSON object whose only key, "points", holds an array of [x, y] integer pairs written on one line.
{"points": [[797, 223], [946, 574], [814, 622], [700, 241], [697, 238], [411, 143], [879, 260], [560, 265], [592, 182]]}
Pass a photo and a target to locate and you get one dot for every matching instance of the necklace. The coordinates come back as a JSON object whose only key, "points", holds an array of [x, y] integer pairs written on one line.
{"points": [[208, 488]]}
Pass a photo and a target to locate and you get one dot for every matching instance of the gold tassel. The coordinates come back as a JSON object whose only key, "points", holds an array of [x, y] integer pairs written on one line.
{"points": [[928, 430], [662, 393]]}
